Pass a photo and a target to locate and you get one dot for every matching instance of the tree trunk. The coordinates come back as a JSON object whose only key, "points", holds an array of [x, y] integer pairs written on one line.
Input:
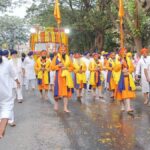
{"points": [[138, 43], [99, 41]]}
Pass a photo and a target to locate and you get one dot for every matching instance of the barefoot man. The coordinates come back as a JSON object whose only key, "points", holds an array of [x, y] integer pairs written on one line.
{"points": [[63, 85], [42, 67]]}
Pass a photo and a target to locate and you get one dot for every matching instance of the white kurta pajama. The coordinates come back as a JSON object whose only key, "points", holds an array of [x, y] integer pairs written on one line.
{"points": [[140, 71], [52, 77], [17, 65], [87, 62], [6, 100], [30, 72], [104, 72], [24, 79]]}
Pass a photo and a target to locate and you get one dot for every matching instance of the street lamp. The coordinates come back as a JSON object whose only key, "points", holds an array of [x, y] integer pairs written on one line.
{"points": [[67, 31], [33, 30]]}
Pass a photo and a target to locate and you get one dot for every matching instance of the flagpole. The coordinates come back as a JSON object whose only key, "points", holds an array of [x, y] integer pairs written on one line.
{"points": [[121, 33], [121, 15], [57, 16], [59, 33]]}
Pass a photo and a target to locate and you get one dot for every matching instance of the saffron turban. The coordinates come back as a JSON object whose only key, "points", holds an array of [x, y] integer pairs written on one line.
{"points": [[122, 51], [111, 53], [77, 55], [43, 52], [144, 50], [95, 54]]}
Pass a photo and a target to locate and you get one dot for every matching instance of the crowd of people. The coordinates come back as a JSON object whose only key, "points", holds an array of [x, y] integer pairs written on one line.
{"points": [[63, 74]]}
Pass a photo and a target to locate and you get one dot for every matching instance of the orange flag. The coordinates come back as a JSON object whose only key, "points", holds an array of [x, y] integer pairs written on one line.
{"points": [[121, 15], [121, 8], [57, 14]]}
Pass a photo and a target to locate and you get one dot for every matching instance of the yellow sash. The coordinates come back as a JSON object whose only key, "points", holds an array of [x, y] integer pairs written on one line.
{"points": [[43, 75], [66, 73], [80, 77], [92, 80], [131, 80]]}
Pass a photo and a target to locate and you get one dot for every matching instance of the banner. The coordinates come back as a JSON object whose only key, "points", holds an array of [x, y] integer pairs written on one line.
{"points": [[51, 47]]}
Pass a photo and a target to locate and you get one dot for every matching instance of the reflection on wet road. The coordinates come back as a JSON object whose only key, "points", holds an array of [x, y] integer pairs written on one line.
{"points": [[100, 125], [93, 125]]}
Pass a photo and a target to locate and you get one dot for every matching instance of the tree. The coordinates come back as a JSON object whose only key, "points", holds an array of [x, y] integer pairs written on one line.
{"points": [[135, 23], [81, 15], [5, 4], [10, 4], [13, 31], [94, 23]]}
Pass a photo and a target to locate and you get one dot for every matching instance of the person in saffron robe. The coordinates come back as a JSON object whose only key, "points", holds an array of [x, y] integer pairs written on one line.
{"points": [[42, 67], [125, 90], [80, 75], [63, 85], [95, 68], [110, 73]]}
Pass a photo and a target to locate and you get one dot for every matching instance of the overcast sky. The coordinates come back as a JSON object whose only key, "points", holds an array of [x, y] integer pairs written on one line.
{"points": [[21, 11]]}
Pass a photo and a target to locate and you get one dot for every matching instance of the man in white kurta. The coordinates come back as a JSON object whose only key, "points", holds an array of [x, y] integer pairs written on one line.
{"points": [[7, 73], [104, 71], [29, 71], [52, 74], [18, 67], [87, 59], [144, 60]]}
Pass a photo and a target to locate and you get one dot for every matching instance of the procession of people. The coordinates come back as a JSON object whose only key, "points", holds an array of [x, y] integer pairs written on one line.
{"points": [[71, 76]]}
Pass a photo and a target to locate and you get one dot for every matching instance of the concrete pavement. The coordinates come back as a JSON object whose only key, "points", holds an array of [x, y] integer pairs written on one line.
{"points": [[93, 125]]}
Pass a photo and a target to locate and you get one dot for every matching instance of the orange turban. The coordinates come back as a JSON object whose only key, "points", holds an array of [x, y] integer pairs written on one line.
{"points": [[122, 51], [62, 48], [95, 54], [43, 52], [144, 50], [77, 55], [111, 54]]}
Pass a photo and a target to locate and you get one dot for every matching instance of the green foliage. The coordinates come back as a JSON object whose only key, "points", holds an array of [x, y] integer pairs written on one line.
{"points": [[87, 19], [4, 4], [111, 40], [13, 31], [10, 4]]}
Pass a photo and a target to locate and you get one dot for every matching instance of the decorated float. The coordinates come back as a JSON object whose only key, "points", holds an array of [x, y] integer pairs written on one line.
{"points": [[49, 39]]}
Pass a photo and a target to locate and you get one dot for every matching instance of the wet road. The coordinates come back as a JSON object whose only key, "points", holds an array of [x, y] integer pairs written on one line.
{"points": [[93, 125]]}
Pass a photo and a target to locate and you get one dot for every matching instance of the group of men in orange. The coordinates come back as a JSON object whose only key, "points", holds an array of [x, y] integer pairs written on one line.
{"points": [[64, 74], [115, 72]]}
